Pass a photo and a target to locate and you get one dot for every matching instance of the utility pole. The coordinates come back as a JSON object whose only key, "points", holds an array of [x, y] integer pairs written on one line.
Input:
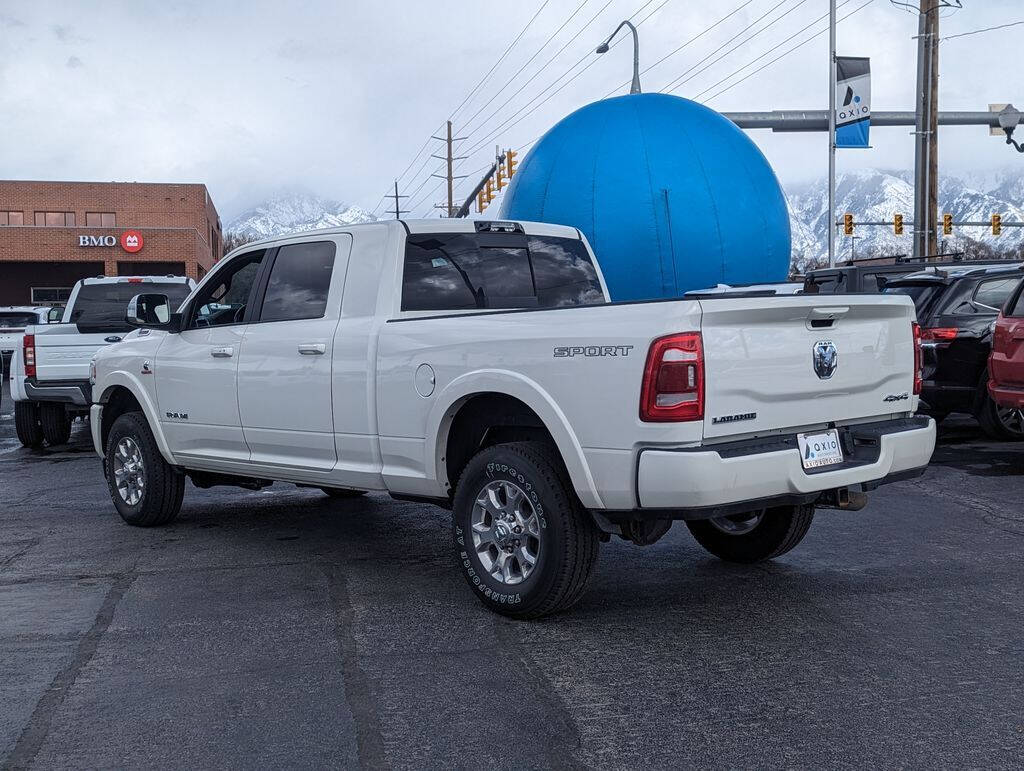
{"points": [[397, 211], [832, 132], [449, 159], [926, 128]]}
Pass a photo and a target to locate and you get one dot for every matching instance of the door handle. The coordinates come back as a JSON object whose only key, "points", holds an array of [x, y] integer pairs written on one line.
{"points": [[312, 349], [1018, 335], [222, 353]]}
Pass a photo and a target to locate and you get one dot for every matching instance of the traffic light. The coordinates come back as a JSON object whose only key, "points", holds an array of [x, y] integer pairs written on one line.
{"points": [[481, 202], [499, 176], [897, 224], [848, 224], [997, 224], [511, 162], [489, 190], [947, 224]]}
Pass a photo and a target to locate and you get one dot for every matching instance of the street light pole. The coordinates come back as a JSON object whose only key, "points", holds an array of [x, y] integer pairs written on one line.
{"points": [[831, 133], [603, 48]]}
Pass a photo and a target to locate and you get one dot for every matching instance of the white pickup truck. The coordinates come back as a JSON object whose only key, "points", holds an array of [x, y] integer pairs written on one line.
{"points": [[50, 371], [480, 366]]}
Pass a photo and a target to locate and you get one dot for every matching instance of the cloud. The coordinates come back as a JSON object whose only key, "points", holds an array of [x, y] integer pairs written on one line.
{"points": [[65, 33], [10, 21], [74, 62]]}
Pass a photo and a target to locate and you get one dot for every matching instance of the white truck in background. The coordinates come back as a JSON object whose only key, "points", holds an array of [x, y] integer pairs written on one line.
{"points": [[480, 366], [50, 369]]}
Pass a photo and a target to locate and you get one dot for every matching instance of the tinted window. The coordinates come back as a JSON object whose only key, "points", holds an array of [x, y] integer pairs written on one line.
{"points": [[102, 306], [299, 282], [921, 294], [17, 320], [563, 273], [996, 292], [223, 299], [1016, 306], [459, 271]]}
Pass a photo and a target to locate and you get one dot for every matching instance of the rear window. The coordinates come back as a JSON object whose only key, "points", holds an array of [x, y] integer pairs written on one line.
{"points": [[17, 320], [1015, 305], [101, 307], [921, 294], [468, 271]]}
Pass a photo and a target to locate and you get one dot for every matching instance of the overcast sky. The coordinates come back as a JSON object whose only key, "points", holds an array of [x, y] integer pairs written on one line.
{"points": [[338, 96]]}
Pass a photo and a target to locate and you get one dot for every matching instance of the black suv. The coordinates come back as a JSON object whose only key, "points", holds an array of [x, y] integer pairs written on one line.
{"points": [[957, 308], [856, 278]]}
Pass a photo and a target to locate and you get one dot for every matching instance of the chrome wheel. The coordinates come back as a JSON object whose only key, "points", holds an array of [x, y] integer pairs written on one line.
{"points": [[129, 471], [738, 524], [1012, 419], [506, 532]]}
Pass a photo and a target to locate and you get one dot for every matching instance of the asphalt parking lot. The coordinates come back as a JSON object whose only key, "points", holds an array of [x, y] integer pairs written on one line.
{"points": [[282, 628]]}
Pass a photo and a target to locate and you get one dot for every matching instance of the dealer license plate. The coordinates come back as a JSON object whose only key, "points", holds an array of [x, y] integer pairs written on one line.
{"points": [[821, 449]]}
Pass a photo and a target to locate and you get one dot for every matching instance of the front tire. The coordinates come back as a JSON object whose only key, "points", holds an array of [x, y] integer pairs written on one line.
{"points": [[26, 424], [525, 544], [146, 490], [754, 536], [56, 423]]}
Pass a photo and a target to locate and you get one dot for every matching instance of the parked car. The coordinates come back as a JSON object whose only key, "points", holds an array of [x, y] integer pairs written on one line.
{"points": [[13, 320], [50, 378], [957, 308], [855, 279], [1006, 364], [481, 367]]}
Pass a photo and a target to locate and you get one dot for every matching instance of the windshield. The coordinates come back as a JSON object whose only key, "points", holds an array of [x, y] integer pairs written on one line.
{"points": [[17, 321], [102, 306], [921, 294]]}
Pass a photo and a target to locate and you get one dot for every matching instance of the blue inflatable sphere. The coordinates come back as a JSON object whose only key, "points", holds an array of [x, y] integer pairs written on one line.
{"points": [[672, 196]]}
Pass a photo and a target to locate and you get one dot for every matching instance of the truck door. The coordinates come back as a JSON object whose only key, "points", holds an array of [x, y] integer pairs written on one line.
{"points": [[284, 373], [196, 369]]}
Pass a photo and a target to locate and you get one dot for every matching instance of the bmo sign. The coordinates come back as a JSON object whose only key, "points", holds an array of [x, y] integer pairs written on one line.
{"points": [[130, 240]]}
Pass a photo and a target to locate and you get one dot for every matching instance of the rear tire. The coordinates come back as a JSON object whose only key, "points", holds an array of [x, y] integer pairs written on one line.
{"points": [[525, 544], [56, 423], [1004, 423], [146, 490], [342, 492], [26, 424], [754, 536]]}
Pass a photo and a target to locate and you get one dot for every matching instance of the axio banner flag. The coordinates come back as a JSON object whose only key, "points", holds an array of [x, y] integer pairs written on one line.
{"points": [[853, 101]]}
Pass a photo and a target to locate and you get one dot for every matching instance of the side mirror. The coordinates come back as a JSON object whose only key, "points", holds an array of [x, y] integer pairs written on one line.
{"points": [[151, 311], [54, 315]]}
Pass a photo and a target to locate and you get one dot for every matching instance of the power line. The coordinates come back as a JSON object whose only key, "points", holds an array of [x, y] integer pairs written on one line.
{"points": [[551, 37], [987, 29], [519, 116], [684, 45], [682, 79], [500, 60], [773, 48], [787, 52]]}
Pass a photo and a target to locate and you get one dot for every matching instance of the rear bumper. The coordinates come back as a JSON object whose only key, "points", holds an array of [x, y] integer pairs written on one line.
{"points": [[74, 392], [1006, 396], [704, 481]]}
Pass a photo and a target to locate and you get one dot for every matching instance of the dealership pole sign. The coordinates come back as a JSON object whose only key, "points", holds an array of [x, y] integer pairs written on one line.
{"points": [[853, 101], [130, 240]]}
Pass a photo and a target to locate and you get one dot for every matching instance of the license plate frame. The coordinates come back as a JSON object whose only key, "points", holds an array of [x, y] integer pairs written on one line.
{"points": [[820, 449]]}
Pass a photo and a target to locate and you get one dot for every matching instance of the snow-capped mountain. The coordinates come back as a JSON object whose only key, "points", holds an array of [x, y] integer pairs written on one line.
{"points": [[876, 195], [291, 212]]}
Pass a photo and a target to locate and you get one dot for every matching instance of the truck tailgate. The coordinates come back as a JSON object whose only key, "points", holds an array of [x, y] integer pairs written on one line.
{"points": [[64, 353], [776, 363]]}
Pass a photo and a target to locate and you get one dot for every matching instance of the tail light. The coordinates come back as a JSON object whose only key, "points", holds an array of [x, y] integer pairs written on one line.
{"points": [[673, 387], [29, 354], [918, 364], [938, 334]]}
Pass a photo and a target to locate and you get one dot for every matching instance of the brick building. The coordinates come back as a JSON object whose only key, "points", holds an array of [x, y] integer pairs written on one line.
{"points": [[54, 233]]}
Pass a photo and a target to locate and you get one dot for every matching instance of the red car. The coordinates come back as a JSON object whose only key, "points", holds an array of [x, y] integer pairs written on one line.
{"points": [[1006, 364]]}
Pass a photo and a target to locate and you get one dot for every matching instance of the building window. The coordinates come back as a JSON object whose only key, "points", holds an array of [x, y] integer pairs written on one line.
{"points": [[55, 218], [47, 295], [100, 219], [12, 218]]}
